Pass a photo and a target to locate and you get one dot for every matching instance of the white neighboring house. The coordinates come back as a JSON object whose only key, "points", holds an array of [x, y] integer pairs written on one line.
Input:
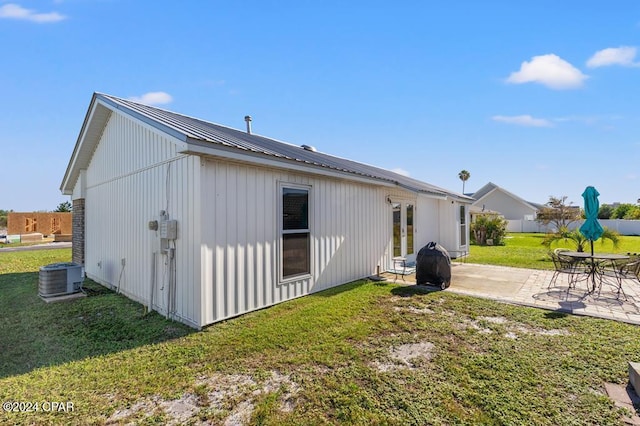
{"points": [[491, 197], [202, 222]]}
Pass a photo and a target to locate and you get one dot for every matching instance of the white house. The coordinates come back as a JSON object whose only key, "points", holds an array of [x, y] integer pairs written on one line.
{"points": [[202, 222], [491, 197]]}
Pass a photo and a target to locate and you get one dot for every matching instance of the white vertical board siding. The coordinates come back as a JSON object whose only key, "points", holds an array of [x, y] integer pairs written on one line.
{"points": [[449, 225], [131, 147], [427, 221], [350, 234], [133, 174]]}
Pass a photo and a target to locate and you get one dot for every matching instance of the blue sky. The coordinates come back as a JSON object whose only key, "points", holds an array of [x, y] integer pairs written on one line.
{"points": [[540, 98]]}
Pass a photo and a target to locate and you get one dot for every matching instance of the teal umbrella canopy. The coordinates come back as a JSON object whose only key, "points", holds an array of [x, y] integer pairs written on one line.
{"points": [[591, 228]]}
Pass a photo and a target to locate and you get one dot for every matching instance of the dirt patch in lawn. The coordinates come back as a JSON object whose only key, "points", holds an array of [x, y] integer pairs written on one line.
{"points": [[405, 356], [511, 329], [228, 398], [414, 310]]}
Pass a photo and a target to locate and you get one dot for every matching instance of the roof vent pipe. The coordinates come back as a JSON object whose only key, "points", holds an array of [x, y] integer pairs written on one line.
{"points": [[247, 118]]}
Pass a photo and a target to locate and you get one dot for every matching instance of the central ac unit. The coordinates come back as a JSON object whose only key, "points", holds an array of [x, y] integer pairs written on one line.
{"points": [[58, 279]]}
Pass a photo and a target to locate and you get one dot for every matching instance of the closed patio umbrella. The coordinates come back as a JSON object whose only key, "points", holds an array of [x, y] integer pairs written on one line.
{"points": [[591, 228]]}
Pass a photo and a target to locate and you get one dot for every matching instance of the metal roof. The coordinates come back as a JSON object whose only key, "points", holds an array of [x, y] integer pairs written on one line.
{"points": [[189, 129]]}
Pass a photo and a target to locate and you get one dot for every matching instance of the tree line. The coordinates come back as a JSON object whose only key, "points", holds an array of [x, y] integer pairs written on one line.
{"points": [[557, 212], [3, 217], [621, 211]]}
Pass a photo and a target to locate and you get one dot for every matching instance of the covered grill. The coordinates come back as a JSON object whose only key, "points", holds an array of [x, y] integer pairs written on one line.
{"points": [[433, 266]]}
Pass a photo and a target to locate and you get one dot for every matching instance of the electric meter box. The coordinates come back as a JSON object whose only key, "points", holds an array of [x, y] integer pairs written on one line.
{"points": [[169, 229]]}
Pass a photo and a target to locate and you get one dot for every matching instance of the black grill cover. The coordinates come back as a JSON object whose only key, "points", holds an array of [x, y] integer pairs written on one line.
{"points": [[433, 265]]}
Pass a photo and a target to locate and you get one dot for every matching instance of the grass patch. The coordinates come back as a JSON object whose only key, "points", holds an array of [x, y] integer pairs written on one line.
{"points": [[328, 358], [525, 250], [36, 334]]}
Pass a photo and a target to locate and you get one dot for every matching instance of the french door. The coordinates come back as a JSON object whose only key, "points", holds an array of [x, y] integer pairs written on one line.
{"points": [[403, 230]]}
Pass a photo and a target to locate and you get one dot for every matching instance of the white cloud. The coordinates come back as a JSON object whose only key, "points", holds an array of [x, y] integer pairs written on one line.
{"points": [[549, 70], [400, 172], [15, 11], [153, 98], [523, 120], [623, 55]]}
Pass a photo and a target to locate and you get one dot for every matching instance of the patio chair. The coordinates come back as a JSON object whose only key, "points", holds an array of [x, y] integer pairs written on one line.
{"points": [[631, 270], [633, 256], [564, 265], [616, 273], [560, 250]]}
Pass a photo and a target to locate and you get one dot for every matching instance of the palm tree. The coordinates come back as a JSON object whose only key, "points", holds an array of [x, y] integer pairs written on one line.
{"points": [[464, 176], [579, 240]]}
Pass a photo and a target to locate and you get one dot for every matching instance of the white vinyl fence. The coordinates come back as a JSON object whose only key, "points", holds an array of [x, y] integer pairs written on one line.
{"points": [[623, 227]]}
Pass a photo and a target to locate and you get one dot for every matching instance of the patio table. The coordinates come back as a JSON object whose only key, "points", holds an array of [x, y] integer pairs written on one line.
{"points": [[596, 261]]}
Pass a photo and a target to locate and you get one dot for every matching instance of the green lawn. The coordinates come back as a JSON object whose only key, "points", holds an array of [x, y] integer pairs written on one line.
{"points": [[526, 251], [329, 358]]}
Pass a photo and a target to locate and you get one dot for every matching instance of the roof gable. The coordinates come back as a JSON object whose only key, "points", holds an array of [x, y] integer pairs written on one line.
{"points": [[484, 190], [490, 188], [94, 123]]}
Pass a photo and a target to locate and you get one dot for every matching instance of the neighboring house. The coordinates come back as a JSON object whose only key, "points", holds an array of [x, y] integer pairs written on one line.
{"points": [[202, 222], [510, 206], [52, 223], [475, 212]]}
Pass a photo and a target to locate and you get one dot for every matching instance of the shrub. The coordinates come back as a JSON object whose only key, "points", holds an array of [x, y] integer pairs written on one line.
{"points": [[488, 228], [621, 211], [633, 214], [605, 212]]}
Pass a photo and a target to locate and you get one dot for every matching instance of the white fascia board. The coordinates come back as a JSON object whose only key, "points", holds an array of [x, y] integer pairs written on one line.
{"points": [[220, 151], [65, 186], [73, 168], [433, 196], [457, 200], [463, 200]]}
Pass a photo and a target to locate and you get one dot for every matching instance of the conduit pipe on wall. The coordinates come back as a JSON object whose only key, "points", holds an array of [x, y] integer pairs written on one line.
{"points": [[152, 283]]}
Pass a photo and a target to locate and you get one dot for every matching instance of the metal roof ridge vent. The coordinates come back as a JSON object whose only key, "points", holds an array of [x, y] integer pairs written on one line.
{"points": [[308, 148], [247, 118]]}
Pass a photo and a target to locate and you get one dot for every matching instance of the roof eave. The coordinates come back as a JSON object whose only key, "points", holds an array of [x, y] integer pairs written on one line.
{"points": [[171, 131], [188, 142], [98, 114], [208, 149]]}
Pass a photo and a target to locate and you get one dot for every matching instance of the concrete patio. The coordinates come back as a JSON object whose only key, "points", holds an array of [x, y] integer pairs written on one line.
{"points": [[529, 287]]}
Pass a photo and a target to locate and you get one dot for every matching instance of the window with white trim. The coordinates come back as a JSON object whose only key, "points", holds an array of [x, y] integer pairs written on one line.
{"points": [[463, 226], [296, 236]]}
